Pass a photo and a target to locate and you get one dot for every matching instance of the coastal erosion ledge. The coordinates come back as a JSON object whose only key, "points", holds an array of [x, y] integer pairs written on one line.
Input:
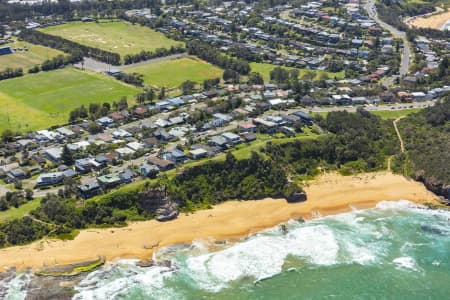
{"points": [[328, 194]]}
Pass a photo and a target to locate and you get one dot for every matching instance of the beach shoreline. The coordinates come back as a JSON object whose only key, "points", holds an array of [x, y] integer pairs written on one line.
{"points": [[329, 194]]}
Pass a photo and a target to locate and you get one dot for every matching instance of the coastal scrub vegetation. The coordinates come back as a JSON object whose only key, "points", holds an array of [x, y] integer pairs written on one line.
{"points": [[427, 141], [355, 142]]}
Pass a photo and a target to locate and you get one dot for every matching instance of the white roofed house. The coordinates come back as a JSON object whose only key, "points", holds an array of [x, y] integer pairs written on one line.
{"points": [[123, 152], [135, 146], [231, 138], [65, 131], [120, 133], [54, 154], [418, 96]]}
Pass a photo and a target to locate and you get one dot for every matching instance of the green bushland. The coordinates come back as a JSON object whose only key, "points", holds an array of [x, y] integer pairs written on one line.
{"points": [[427, 141], [172, 73], [45, 99], [118, 36], [264, 69]]}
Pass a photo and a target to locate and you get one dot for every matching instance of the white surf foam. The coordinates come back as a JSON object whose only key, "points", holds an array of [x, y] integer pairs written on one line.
{"points": [[406, 263], [15, 287], [117, 281]]}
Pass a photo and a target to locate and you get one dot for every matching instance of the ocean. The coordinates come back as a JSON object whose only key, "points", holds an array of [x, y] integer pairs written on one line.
{"points": [[395, 251]]}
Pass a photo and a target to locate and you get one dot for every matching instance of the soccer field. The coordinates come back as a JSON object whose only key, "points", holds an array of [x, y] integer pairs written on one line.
{"points": [[171, 73], [41, 100], [35, 55], [118, 36]]}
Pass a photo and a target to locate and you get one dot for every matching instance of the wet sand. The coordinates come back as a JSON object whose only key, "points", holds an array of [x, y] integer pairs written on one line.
{"points": [[328, 194]]}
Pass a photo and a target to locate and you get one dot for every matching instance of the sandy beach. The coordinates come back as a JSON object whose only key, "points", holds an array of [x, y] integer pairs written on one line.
{"points": [[328, 194], [434, 21]]}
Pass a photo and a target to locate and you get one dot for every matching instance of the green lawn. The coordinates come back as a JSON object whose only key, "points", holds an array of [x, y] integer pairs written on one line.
{"points": [[171, 73], [15, 213], [35, 55], [118, 36], [394, 114], [384, 114], [41, 100], [265, 69]]}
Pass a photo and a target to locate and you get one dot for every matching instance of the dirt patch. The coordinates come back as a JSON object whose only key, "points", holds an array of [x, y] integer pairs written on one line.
{"points": [[435, 21]]}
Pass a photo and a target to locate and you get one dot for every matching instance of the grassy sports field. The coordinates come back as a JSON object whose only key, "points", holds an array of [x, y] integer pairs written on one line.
{"points": [[265, 69], [118, 36], [41, 100], [35, 55], [171, 73]]}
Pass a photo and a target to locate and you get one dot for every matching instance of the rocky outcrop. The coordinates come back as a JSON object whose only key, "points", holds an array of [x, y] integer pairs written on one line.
{"points": [[158, 202], [436, 186], [297, 197], [167, 212]]}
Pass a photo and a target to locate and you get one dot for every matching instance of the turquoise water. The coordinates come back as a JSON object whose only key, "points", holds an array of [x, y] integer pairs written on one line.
{"points": [[394, 251]]}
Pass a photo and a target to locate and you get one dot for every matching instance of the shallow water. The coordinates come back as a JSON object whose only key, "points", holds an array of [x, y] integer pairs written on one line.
{"points": [[394, 251]]}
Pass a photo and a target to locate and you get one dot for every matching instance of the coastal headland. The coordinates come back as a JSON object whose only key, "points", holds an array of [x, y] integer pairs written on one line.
{"points": [[328, 194]]}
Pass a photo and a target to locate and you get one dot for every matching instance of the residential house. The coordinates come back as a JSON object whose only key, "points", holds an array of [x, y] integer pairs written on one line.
{"points": [[49, 179], [248, 136], [198, 153], [105, 121], [109, 181], [307, 119], [162, 164], [149, 170], [127, 176], [175, 155], [218, 141], [83, 165], [54, 154], [265, 125], [247, 127], [16, 174], [89, 189]]}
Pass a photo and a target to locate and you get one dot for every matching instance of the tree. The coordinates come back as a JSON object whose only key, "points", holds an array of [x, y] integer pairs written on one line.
{"points": [[187, 87], [7, 135], [123, 103], [279, 75], [443, 66], [140, 98], [67, 156], [17, 186], [29, 194], [255, 78], [162, 93], [150, 95], [230, 76]]}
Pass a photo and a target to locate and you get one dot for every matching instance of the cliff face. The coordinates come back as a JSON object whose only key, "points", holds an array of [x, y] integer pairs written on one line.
{"points": [[158, 202], [438, 187]]}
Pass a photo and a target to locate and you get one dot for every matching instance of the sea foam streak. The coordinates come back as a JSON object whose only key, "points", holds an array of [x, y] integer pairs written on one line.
{"points": [[341, 239], [358, 239]]}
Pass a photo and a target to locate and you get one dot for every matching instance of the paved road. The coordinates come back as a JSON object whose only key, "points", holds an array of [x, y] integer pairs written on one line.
{"points": [[406, 52], [98, 66]]}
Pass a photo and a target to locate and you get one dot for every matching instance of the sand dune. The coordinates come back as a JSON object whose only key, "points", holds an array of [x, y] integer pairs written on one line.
{"points": [[329, 194]]}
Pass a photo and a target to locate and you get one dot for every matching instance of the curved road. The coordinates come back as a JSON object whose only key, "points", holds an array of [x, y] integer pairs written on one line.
{"points": [[406, 53]]}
